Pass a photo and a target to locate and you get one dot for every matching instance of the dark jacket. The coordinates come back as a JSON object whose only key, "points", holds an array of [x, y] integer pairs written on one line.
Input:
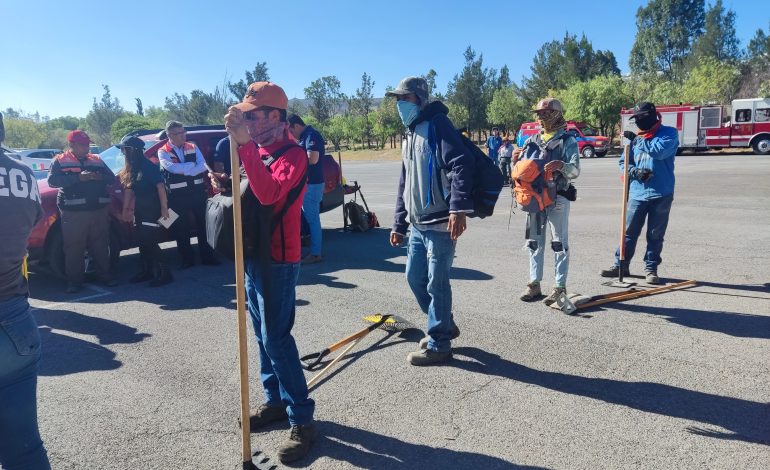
{"points": [[79, 195], [20, 206], [433, 186]]}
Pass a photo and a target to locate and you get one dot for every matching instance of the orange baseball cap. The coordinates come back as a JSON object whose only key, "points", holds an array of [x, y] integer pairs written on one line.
{"points": [[262, 94]]}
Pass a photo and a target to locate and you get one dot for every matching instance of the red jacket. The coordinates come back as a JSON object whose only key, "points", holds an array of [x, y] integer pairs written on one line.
{"points": [[272, 186]]}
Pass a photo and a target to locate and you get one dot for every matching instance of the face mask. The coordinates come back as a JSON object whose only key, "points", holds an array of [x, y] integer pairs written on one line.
{"points": [[551, 121], [408, 111], [646, 123], [269, 132]]}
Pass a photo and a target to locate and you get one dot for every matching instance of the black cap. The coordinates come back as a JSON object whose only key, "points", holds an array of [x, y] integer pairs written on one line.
{"points": [[643, 110], [131, 141], [416, 85]]}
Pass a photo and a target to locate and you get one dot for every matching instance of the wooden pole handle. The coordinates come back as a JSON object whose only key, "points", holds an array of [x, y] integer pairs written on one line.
{"points": [[636, 295], [334, 361], [240, 291], [624, 203]]}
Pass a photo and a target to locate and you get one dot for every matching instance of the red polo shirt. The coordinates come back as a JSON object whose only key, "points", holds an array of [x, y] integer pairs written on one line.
{"points": [[272, 186]]}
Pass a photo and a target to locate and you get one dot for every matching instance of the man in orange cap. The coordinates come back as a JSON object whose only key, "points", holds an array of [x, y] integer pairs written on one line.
{"points": [[83, 179], [276, 168]]}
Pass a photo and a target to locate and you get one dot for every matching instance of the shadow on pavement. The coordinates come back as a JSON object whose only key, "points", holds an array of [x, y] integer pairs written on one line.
{"points": [[63, 354], [745, 420], [741, 325], [366, 449], [364, 251]]}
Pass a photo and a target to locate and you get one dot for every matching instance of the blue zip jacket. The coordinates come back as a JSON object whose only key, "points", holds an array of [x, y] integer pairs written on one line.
{"points": [[657, 154]]}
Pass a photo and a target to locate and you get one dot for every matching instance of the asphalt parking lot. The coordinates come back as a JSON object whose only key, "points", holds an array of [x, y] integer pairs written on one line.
{"points": [[136, 378]]}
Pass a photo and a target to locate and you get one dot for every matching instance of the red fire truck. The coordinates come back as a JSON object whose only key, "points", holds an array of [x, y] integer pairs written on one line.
{"points": [[744, 123]]}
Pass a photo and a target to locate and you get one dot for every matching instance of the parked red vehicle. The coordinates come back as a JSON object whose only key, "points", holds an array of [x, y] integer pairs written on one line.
{"points": [[743, 123], [590, 143], [46, 242]]}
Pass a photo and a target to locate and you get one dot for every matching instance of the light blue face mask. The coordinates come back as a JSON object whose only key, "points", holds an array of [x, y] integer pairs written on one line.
{"points": [[408, 111]]}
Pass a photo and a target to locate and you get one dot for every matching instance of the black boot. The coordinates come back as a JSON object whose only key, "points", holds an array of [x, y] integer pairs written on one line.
{"points": [[144, 275], [162, 276]]}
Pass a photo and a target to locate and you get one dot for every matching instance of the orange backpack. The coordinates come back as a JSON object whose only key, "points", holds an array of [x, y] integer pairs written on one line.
{"points": [[534, 187]]}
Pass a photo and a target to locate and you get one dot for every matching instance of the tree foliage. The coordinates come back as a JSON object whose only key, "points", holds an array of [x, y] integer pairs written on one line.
{"points": [[101, 117], [23, 133], [199, 108], [559, 64], [325, 97], [666, 30], [507, 109], [259, 74], [597, 102], [130, 123], [361, 105], [472, 90], [712, 81], [719, 39]]}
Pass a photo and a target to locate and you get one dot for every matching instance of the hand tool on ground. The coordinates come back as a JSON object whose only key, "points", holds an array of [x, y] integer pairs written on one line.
{"points": [[334, 361], [624, 203], [632, 294], [313, 361]]}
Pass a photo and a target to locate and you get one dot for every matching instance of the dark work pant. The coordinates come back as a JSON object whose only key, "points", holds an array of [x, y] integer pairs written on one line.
{"points": [[190, 205], [86, 230], [148, 234], [656, 212]]}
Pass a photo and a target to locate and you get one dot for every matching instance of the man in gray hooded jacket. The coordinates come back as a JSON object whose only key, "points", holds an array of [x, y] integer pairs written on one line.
{"points": [[434, 196]]}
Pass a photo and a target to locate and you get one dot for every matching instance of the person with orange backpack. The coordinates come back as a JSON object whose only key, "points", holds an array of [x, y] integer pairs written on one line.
{"points": [[547, 163]]}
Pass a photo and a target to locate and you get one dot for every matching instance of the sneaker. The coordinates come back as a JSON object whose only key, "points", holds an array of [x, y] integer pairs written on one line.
{"points": [[652, 277], [312, 259], [555, 293], [613, 272], [73, 287], [267, 414], [532, 292], [423, 344], [426, 357], [301, 438]]}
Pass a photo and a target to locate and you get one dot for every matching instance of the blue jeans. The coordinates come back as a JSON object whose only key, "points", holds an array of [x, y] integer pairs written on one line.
{"points": [[428, 263], [557, 220], [20, 445], [311, 207], [280, 370], [656, 211]]}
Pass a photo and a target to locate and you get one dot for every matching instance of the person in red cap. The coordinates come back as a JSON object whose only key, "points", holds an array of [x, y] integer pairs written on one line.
{"points": [[83, 179], [276, 168]]}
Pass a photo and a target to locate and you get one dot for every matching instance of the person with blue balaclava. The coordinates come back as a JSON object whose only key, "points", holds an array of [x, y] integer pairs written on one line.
{"points": [[436, 208]]}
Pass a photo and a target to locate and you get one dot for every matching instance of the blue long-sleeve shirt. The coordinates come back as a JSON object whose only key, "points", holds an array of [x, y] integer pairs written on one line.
{"points": [[657, 154]]}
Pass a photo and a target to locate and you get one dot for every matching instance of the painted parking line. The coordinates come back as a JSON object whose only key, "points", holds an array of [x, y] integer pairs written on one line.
{"points": [[99, 293]]}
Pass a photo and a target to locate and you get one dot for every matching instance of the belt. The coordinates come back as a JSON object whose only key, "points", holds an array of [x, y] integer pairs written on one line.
{"points": [[150, 224], [177, 185]]}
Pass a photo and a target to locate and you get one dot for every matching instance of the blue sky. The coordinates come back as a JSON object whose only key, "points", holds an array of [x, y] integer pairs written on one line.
{"points": [[57, 54]]}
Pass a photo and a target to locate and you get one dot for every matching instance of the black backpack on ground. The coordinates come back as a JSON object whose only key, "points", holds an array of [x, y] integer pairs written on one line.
{"points": [[258, 220]]}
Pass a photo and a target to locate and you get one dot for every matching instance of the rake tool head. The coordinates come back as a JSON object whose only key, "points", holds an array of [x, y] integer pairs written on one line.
{"points": [[393, 323]]}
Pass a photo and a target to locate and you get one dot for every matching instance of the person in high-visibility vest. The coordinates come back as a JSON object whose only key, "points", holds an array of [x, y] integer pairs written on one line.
{"points": [[83, 180]]}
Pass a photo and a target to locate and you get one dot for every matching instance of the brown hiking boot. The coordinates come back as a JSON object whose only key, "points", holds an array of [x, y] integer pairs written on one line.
{"points": [[267, 414], [555, 293], [613, 272], [652, 278], [532, 292], [423, 344], [427, 357], [301, 438]]}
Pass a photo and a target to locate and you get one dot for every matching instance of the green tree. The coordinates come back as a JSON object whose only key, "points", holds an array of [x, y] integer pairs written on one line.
{"points": [[239, 88], [69, 123], [430, 78], [712, 81], [508, 109], [559, 64], [55, 138], [324, 97], [472, 90], [764, 89], [199, 108], [388, 124], [597, 102], [101, 117], [334, 130], [457, 114], [666, 30], [139, 107], [758, 48], [23, 133], [654, 88], [130, 123], [361, 105], [719, 39]]}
